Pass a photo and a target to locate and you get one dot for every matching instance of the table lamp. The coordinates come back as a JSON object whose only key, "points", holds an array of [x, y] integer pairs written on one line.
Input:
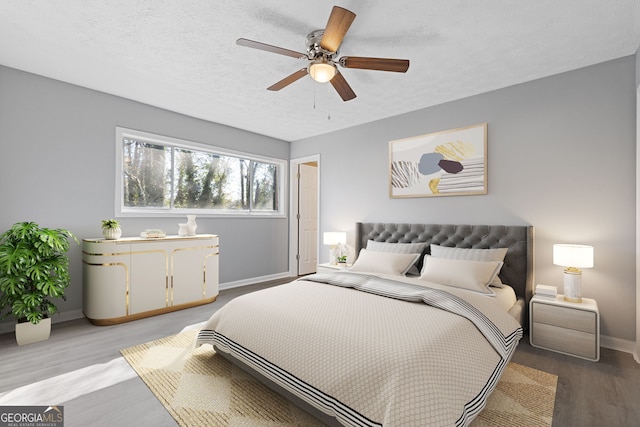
{"points": [[335, 239], [573, 258]]}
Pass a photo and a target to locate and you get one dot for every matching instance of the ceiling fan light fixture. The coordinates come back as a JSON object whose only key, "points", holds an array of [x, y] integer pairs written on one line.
{"points": [[322, 70]]}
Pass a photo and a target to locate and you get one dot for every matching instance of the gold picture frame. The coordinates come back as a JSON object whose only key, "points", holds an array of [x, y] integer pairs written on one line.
{"points": [[446, 163]]}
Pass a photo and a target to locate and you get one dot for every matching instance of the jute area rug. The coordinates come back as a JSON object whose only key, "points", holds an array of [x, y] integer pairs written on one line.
{"points": [[200, 388]]}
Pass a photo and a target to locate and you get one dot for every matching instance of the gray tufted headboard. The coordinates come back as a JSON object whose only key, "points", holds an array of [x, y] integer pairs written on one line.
{"points": [[517, 270]]}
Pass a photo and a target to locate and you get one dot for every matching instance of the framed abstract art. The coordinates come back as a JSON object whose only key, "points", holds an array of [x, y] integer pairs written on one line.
{"points": [[447, 163]]}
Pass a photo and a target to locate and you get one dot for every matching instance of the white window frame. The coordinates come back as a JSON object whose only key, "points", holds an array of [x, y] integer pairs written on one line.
{"points": [[124, 211]]}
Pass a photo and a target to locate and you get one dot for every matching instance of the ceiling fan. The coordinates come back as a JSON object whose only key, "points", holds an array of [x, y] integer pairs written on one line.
{"points": [[322, 52]]}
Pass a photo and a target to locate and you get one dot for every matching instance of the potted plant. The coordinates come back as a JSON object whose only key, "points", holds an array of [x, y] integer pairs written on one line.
{"points": [[111, 229], [342, 261], [33, 269]]}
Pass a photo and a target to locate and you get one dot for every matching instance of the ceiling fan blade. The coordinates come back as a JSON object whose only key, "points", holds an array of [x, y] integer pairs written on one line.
{"points": [[288, 80], [339, 22], [342, 87], [381, 64], [270, 48]]}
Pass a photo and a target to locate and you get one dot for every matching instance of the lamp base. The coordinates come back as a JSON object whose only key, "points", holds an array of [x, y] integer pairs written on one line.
{"points": [[573, 286], [333, 255]]}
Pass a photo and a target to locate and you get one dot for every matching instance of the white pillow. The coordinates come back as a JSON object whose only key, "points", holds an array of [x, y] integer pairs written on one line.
{"points": [[383, 262], [466, 274], [399, 248], [472, 254]]}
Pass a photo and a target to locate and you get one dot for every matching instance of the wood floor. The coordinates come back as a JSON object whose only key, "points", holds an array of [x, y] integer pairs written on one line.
{"points": [[606, 393]]}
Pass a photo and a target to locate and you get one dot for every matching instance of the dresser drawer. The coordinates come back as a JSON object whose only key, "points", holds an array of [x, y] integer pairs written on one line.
{"points": [[578, 343], [579, 320]]}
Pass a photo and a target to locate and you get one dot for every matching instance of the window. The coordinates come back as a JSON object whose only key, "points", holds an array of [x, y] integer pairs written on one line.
{"points": [[163, 175]]}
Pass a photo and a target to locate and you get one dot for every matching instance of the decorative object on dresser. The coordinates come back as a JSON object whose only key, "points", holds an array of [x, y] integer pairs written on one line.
{"points": [[191, 225], [334, 239], [566, 327], [111, 229], [33, 269], [133, 277], [573, 257], [153, 233]]}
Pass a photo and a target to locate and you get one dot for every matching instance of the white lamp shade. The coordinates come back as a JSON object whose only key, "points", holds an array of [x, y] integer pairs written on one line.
{"points": [[334, 238], [322, 71], [578, 256]]}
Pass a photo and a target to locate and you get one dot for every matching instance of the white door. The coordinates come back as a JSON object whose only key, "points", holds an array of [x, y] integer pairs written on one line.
{"points": [[307, 218]]}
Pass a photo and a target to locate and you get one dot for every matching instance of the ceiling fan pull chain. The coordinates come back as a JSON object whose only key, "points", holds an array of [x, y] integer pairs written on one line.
{"points": [[329, 98]]}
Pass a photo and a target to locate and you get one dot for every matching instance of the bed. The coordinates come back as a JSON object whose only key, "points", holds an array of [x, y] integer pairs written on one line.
{"points": [[417, 332]]}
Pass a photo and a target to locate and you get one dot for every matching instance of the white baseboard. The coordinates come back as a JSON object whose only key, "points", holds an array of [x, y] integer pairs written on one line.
{"points": [[56, 318], [617, 344]]}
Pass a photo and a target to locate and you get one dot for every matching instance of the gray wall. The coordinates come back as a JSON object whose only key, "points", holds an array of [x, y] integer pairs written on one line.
{"points": [[57, 169], [637, 67], [561, 157]]}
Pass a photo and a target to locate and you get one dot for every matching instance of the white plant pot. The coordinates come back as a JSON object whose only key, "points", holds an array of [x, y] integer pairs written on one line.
{"points": [[28, 333], [112, 233]]}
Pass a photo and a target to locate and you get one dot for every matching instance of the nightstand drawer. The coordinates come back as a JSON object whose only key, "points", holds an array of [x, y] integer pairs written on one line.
{"points": [[569, 341], [579, 320]]}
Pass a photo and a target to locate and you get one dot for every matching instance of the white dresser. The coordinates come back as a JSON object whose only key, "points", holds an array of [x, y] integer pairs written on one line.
{"points": [[132, 278]]}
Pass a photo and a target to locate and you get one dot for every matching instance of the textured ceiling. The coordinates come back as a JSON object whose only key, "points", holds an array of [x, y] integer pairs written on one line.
{"points": [[182, 56]]}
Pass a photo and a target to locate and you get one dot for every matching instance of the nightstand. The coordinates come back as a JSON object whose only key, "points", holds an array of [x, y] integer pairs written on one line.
{"points": [[565, 327], [328, 268]]}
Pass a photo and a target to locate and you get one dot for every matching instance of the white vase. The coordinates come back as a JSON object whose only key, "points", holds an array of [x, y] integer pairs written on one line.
{"points": [[112, 233], [182, 230], [28, 333], [191, 225]]}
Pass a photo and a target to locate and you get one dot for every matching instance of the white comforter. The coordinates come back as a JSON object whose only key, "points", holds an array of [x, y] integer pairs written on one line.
{"points": [[371, 351]]}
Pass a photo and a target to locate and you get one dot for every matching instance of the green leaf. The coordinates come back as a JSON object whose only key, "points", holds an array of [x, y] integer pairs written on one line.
{"points": [[34, 317]]}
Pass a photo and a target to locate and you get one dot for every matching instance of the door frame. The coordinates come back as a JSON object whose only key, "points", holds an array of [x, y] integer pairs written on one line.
{"points": [[636, 353], [293, 209]]}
